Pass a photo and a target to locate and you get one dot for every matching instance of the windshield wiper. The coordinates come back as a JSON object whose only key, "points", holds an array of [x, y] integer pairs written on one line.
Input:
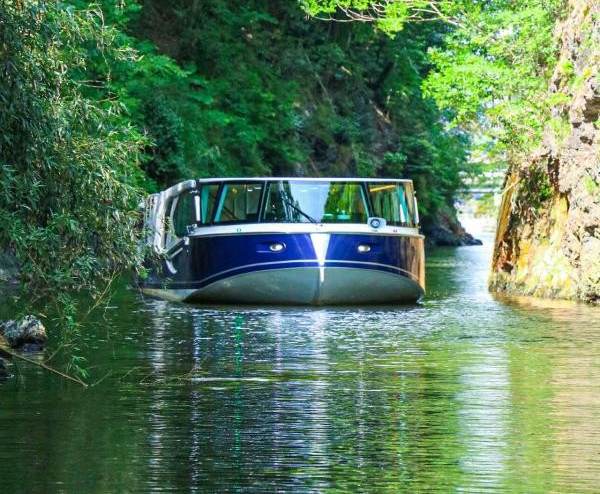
{"points": [[285, 198]]}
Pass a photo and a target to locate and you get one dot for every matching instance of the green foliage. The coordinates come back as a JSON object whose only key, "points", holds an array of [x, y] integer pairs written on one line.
{"points": [[536, 190], [253, 89], [591, 186], [492, 71], [166, 161], [486, 206], [561, 128], [287, 96], [390, 16], [68, 163], [150, 88]]}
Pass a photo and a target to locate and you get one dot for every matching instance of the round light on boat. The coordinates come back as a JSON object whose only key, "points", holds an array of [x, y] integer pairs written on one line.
{"points": [[276, 247], [374, 222], [362, 248]]}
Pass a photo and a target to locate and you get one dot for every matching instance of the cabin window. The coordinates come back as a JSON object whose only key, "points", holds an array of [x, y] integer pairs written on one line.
{"points": [[391, 201], [168, 230], [301, 201], [239, 203], [191, 208], [208, 199], [411, 204], [294, 201], [186, 213]]}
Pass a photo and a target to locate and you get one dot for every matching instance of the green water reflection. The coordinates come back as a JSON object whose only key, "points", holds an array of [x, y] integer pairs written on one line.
{"points": [[462, 393]]}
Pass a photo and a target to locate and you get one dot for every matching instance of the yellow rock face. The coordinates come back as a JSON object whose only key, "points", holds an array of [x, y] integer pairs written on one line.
{"points": [[540, 267]]}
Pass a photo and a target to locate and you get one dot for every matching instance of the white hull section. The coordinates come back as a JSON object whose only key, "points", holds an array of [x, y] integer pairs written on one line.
{"points": [[303, 286]]}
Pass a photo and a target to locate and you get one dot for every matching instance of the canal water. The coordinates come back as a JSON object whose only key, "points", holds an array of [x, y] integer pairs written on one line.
{"points": [[464, 392]]}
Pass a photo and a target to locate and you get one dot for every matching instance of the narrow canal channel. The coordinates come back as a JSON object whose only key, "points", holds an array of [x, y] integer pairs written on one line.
{"points": [[463, 392]]}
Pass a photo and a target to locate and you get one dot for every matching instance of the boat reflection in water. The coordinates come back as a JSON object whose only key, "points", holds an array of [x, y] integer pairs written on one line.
{"points": [[286, 241]]}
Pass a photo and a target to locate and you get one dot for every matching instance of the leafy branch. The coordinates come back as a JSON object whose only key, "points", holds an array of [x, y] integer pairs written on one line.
{"points": [[389, 15]]}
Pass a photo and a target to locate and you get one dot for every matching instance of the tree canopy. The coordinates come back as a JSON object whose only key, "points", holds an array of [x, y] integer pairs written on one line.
{"points": [[68, 157], [491, 71]]}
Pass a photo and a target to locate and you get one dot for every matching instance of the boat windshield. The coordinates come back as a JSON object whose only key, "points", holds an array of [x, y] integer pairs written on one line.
{"points": [[315, 202], [304, 201], [301, 201]]}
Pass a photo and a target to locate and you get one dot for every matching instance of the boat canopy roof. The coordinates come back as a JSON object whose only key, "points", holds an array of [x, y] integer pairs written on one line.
{"points": [[304, 179], [194, 183]]}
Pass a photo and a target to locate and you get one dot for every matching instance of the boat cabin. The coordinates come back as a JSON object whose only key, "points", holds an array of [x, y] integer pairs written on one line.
{"points": [[197, 204]]}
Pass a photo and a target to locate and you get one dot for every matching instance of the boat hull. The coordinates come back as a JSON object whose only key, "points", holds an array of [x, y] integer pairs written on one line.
{"points": [[302, 286], [312, 269]]}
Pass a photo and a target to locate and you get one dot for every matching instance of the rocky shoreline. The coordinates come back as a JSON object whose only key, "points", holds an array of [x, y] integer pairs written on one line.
{"points": [[27, 334], [448, 232], [548, 239]]}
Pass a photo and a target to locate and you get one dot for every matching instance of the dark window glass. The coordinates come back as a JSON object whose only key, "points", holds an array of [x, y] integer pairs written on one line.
{"points": [[239, 203]]}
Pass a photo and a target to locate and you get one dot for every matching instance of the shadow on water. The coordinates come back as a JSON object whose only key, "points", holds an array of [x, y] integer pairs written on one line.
{"points": [[462, 392]]}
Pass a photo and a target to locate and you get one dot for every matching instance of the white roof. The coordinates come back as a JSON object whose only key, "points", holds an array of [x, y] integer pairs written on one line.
{"points": [[303, 179], [191, 184]]}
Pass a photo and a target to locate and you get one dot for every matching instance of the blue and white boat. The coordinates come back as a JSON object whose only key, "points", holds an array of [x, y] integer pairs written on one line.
{"points": [[272, 240]]}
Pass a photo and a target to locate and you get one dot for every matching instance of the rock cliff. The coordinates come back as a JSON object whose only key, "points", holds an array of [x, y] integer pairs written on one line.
{"points": [[447, 231], [548, 238]]}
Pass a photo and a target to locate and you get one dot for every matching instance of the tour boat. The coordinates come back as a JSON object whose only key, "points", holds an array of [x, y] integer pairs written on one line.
{"points": [[316, 241]]}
